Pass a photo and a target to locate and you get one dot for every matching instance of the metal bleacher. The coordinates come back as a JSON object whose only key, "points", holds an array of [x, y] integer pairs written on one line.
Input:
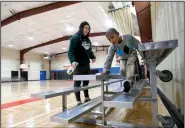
{"points": [[72, 114], [63, 92], [153, 54]]}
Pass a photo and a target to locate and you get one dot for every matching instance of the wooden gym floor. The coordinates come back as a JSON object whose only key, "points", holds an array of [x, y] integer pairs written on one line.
{"points": [[20, 110]]}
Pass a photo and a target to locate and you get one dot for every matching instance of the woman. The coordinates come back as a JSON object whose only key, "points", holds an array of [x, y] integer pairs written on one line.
{"points": [[80, 52], [125, 46]]}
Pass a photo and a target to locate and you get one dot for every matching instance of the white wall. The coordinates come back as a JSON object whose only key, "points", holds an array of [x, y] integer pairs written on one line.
{"points": [[59, 61], [167, 24], [46, 68], [35, 64], [100, 59], [9, 62]]}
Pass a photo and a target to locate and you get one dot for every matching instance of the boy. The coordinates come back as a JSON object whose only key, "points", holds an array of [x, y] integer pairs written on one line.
{"points": [[125, 46]]}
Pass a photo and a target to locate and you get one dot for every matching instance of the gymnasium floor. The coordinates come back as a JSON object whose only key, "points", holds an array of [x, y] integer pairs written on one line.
{"points": [[20, 110]]}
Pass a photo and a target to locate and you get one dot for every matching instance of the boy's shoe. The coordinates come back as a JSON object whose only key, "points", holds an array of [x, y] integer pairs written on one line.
{"points": [[126, 86]]}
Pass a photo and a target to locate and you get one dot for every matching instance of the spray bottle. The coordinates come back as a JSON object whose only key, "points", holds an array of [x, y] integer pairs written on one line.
{"points": [[71, 68]]}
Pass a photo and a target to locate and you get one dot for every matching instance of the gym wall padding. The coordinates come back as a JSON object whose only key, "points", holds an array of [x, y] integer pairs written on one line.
{"points": [[168, 24], [62, 74]]}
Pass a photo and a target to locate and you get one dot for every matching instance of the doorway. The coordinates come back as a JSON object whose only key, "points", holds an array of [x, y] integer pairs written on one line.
{"points": [[42, 75], [24, 74]]}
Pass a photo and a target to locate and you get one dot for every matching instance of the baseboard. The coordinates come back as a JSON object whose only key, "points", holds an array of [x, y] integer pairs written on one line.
{"points": [[20, 81], [38, 80], [5, 81], [177, 117]]}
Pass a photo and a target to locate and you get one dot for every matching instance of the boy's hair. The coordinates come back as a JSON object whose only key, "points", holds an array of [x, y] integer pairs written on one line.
{"points": [[113, 30]]}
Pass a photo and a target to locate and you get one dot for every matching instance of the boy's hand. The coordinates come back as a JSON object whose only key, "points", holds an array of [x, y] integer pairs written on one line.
{"points": [[123, 72], [105, 72]]}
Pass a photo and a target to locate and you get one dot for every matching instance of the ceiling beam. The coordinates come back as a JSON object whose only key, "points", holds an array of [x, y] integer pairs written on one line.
{"points": [[144, 20], [93, 46], [37, 10], [61, 53], [59, 40], [102, 46]]}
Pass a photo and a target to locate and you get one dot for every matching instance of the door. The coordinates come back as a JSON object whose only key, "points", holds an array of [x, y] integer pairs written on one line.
{"points": [[14, 74], [24, 74], [42, 75]]}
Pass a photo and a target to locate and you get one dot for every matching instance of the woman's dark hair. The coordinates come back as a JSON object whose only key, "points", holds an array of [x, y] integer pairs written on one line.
{"points": [[81, 29], [112, 30]]}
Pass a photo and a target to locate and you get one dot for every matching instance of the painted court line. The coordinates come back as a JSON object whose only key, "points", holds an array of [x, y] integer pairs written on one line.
{"points": [[19, 102], [40, 115], [14, 125]]}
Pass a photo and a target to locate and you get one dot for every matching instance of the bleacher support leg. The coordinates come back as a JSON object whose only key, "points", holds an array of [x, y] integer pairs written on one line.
{"points": [[64, 104], [106, 88], [102, 95], [153, 82], [121, 84]]}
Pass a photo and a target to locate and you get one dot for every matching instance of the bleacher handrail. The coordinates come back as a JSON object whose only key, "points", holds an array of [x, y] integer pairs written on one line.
{"points": [[59, 92]]}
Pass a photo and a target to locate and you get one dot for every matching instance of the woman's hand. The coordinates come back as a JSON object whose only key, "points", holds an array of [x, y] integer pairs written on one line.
{"points": [[93, 60], [74, 64]]}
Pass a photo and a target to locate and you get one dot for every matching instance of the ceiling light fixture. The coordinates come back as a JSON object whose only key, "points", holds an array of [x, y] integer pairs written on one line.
{"points": [[30, 38], [108, 23], [10, 45], [69, 28], [68, 16], [61, 21], [105, 15], [46, 52], [101, 8], [63, 48], [96, 43]]}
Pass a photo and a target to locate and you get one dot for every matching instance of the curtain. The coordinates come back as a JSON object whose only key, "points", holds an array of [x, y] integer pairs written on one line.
{"points": [[123, 20]]}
